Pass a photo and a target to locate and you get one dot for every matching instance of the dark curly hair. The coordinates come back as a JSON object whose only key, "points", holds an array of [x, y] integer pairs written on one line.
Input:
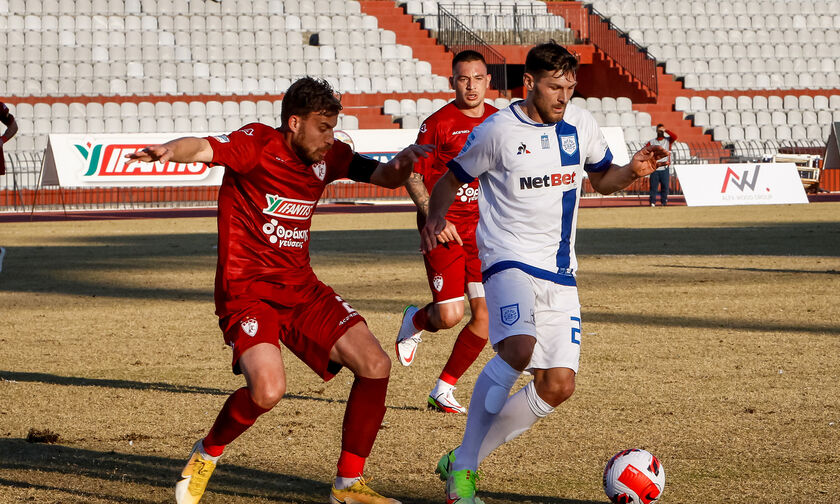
{"points": [[308, 95], [550, 57]]}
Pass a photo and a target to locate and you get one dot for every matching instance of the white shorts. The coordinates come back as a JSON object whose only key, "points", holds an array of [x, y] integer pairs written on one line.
{"points": [[518, 303]]}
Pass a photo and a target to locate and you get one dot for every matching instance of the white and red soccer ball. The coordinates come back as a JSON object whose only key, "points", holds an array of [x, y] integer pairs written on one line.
{"points": [[634, 477]]}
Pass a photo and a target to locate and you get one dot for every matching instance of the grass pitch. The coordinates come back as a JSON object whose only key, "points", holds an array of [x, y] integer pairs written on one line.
{"points": [[710, 338]]}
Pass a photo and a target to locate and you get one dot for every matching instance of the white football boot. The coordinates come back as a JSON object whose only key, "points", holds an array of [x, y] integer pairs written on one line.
{"points": [[408, 338], [443, 399]]}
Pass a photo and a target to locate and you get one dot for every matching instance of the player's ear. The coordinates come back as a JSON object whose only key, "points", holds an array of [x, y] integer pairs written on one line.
{"points": [[294, 123], [452, 82], [528, 81]]}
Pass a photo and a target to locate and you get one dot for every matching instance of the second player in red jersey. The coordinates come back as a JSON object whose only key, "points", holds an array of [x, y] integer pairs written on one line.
{"points": [[266, 291], [454, 268]]}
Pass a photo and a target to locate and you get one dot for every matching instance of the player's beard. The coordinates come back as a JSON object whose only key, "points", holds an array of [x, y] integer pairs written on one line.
{"points": [[306, 156], [548, 113]]}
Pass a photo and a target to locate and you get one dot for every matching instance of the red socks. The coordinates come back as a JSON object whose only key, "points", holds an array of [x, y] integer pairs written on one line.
{"points": [[362, 419], [465, 351], [238, 413]]}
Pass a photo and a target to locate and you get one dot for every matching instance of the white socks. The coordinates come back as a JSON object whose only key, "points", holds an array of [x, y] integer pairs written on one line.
{"points": [[341, 483], [441, 386], [488, 399], [520, 412]]}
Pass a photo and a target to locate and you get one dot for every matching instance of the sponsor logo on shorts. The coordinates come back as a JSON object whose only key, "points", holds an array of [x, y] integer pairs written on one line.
{"points": [[284, 236], [347, 318], [510, 314], [437, 282], [288, 208], [249, 326]]}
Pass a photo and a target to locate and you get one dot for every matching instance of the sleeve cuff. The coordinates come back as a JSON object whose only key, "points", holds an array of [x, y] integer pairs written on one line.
{"points": [[459, 172], [601, 165]]}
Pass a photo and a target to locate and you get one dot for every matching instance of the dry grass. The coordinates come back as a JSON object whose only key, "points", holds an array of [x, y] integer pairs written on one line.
{"points": [[710, 338]]}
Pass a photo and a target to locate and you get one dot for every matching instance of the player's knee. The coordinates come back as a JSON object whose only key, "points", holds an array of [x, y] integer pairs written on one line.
{"points": [[556, 391], [450, 314], [517, 355], [377, 365], [266, 395]]}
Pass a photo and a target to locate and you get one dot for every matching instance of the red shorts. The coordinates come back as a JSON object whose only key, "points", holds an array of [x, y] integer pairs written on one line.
{"points": [[308, 319], [450, 267]]}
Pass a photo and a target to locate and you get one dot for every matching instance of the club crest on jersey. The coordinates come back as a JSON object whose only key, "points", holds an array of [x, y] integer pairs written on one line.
{"points": [[250, 326], [510, 314], [522, 149], [569, 144], [437, 282], [320, 170], [423, 128]]}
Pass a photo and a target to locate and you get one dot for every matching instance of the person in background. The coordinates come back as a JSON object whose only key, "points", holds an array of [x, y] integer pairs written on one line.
{"points": [[8, 119], [660, 179]]}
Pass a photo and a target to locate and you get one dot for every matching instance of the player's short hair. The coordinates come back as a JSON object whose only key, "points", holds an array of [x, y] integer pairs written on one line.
{"points": [[550, 57], [467, 56], [660, 125], [308, 95]]}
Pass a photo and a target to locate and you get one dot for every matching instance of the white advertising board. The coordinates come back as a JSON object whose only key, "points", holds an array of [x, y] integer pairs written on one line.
{"points": [[741, 184], [99, 160]]}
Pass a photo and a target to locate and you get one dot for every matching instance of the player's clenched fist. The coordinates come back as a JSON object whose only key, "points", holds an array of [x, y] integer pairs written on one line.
{"points": [[644, 161]]}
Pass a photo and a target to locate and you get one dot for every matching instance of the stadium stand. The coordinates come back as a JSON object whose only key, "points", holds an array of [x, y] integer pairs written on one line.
{"points": [[497, 21]]}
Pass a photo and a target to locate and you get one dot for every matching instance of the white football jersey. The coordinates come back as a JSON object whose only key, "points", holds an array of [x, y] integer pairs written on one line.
{"points": [[530, 177]]}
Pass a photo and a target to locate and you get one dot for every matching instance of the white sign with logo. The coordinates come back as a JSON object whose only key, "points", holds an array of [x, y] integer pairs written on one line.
{"points": [[98, 160], [741, 184]]}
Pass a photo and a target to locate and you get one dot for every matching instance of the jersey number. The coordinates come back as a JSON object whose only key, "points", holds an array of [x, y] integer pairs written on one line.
{"points": [[576, 330], [345, 304]]}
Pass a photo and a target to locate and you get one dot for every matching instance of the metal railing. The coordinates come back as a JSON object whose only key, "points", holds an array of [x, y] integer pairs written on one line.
{"points": [[457, 37], [618, 45], [512, 24], [19, 191]]}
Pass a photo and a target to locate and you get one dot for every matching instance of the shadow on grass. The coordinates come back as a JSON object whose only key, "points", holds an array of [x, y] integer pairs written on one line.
{"points": [[676, 322], [76, 381], [77, 266], [756, 270], [161, 473]]}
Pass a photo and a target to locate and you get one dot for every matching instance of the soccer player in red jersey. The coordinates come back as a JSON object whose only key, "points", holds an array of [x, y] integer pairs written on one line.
{"points": [[453, 268], [266, 291]]}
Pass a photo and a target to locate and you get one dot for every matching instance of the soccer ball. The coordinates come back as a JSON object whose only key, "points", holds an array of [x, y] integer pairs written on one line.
{"points": [[634, 477]]}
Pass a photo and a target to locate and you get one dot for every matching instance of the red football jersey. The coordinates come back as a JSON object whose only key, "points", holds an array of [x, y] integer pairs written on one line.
{"points": [[266, 203], [448, 129]]}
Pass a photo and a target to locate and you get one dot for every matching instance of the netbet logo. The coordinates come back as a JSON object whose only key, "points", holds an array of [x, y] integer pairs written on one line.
{"points": [[550, 180]]}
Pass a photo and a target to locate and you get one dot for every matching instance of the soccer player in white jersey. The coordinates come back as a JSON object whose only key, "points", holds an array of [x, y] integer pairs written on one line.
{"points": [[529, 159]]}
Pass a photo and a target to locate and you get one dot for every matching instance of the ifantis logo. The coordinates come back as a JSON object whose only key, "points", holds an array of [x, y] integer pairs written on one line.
{"points": [[108, 160], [288, 208]]}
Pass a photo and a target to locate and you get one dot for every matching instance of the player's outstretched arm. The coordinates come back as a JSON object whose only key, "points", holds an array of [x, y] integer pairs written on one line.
{"points": [[616, 177], [395, 172], [180, 150], [437, 228]]}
